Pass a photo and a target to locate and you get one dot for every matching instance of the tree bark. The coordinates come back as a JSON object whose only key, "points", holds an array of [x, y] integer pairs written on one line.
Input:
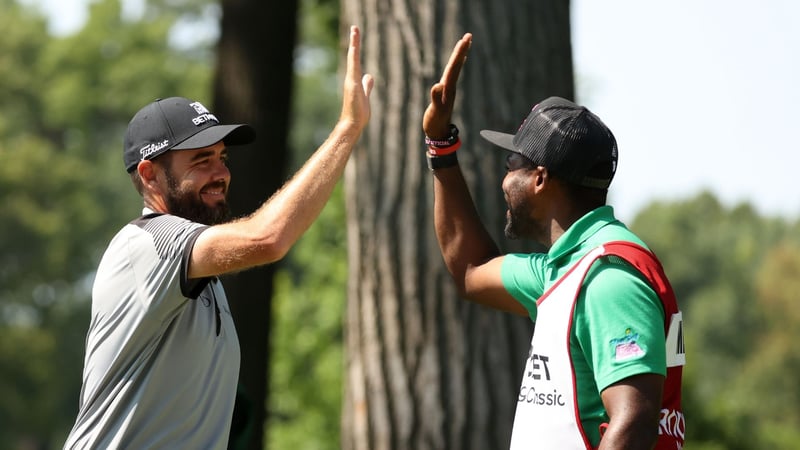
{"points": [[426, 370], [253, 85]]}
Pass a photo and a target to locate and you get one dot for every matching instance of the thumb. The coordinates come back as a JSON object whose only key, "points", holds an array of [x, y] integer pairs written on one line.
{"points": [[367, 82], [437, 94]]}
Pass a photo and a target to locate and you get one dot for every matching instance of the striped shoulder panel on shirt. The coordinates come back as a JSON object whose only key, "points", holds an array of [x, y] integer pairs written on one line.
{"points": [[167, 231]]}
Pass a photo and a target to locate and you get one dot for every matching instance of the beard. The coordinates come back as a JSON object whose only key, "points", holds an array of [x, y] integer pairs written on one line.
{"points": [[513, 223], [189, 205], [519, 213], [520, 223]]}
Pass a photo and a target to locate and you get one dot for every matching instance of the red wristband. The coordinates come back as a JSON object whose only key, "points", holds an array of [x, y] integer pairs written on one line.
{"points": [[441, 151]]}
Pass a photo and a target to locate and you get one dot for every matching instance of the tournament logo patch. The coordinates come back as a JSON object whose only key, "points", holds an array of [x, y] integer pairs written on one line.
{"points": [[627, 347]]}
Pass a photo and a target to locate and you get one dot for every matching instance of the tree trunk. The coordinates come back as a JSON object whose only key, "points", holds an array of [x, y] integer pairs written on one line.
{"points": [[253, 84], [426, 370]]}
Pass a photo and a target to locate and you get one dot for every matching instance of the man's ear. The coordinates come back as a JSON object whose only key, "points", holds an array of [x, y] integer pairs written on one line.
{"points": [[147, 172], [541, 176]]}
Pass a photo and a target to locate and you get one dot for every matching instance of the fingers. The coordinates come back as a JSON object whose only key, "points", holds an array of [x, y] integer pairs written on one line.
{"points": [[436, 119], [457, 58], [357, 85], [453, 68], [354, 54]]}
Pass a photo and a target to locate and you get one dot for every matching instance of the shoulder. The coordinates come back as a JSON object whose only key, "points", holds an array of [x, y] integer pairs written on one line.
{"points": [[160, 223], [169, 234], [611, 273], [614, 289]]}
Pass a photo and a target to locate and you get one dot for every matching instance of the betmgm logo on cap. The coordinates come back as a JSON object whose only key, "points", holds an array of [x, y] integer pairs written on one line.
{"points": [[205, 114], [177, 123]]}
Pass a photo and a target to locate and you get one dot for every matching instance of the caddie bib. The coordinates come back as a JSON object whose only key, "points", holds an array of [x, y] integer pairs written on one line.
{"points": [[547, 415]]}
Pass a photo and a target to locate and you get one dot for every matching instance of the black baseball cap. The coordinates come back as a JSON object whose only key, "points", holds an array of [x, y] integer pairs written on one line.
{"points": [[567, 139], [177, 123]]}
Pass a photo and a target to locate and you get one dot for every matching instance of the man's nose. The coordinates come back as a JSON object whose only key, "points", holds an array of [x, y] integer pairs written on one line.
{"points": [[221, 170]]}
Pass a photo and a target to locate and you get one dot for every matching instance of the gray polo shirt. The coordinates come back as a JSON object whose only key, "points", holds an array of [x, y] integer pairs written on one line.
{"points": [[162, 355]]}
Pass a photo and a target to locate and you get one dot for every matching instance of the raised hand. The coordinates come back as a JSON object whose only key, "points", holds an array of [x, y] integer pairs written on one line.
{"points": [[357, 86], [436, 120]]}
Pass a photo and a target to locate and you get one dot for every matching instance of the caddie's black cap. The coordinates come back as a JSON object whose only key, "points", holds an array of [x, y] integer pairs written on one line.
{"points": [[567, 139], [177, 123]]}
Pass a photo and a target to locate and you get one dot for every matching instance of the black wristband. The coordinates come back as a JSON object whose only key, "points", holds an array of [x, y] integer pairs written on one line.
{"points": [[446, 142], [442, 162]]}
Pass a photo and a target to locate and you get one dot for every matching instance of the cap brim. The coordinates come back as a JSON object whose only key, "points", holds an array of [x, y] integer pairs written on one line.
{"points": [[499, 139], [240, 134]]}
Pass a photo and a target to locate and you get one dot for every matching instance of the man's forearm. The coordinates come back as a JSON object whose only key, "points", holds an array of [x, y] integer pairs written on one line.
{"points": [[292, 210], [462, 237]]}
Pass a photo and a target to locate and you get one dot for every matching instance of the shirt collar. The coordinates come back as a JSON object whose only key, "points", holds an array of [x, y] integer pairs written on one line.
{"points": [[580, 231]]}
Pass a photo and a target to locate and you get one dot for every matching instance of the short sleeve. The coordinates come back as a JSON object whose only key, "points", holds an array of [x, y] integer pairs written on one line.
{"points": [[619, 323], [172, 239], [191, 287], [523, 278]]}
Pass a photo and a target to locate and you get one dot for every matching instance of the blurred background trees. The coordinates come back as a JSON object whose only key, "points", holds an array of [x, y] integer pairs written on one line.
{"points": [[64, 105]]}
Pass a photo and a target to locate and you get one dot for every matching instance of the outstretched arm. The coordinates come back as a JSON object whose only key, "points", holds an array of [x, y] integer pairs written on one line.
{"points": [[469, 252], [268, 234]]}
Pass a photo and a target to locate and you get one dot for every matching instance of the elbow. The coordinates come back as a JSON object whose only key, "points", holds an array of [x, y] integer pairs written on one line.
{"points": [[466, 293], [276, 250], [639, 433], [459, 281], [270, 249]]}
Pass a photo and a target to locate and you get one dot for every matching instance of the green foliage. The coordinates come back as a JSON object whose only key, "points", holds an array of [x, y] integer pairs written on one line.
{"points": [[307, 359], [736, 277], [65, 104], [769, 372], [319, 24]]}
